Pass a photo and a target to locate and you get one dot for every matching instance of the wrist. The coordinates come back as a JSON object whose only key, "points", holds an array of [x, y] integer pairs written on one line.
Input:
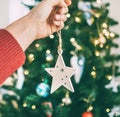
{"points": [[23, 31]]}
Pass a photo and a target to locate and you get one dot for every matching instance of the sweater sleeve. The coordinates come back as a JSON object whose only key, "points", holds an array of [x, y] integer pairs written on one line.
{"points": [[11, 55]]}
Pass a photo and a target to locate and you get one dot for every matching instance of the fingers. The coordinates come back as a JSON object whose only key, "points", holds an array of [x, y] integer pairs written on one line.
{"points": [[60, 14], [62, 10], [59, 24], [59, 17]]}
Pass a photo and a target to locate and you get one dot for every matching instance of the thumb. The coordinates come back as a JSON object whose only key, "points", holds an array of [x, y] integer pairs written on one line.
{"points": [[68, 2]]}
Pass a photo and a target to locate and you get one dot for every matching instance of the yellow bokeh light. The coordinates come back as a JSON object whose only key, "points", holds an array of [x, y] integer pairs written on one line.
{"points": [[97, 53], [49, 57], [112, 35], [96, 42], [102, 39], [93, 73], [37, 45], [94, 68], [72, 40], [109, 77], [31, 57], [25, 104], [26, 72], [101, 45], [33, 107], [107, 110], [68, 15], [77, 19], [90, 108], [48, 51], [51, 36], [97, 15], [104, 25]]}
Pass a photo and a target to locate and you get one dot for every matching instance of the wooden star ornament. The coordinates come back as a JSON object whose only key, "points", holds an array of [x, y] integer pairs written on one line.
{"points": [[61, 75]]}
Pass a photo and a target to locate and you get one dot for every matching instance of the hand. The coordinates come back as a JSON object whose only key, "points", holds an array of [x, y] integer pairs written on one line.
{"points": [[49, 16], [44, 19]]}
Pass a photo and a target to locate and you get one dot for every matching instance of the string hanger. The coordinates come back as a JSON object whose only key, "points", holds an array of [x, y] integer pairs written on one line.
{"points": [[60, 50]]}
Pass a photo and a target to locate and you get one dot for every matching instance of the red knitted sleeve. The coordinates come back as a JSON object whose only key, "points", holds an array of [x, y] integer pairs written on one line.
{"points": [[11, 55]]}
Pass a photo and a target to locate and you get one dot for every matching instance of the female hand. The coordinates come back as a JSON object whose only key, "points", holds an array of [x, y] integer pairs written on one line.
{"points": [[44, 19], [49, 16]]}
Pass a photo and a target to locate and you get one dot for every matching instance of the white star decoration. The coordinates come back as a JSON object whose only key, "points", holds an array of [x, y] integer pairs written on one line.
{"points": [[61, 75]]}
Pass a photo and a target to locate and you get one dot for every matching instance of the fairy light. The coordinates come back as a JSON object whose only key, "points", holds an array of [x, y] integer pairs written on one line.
{"points": [[112, 35], [48, 51], [97, 15], [51, 36], [37, 45], [94, 68], [31, 57], [26, 72], [25, 104], [90, 108], [33, 107], [106, 32], [77, 19], [107, 110], [104, 25], [72, 40], [49, 56], [93, 73], [96, 42], [102, 39], [68, 15], [97, 53], [101, 45], [43, 80], [109, 77]]}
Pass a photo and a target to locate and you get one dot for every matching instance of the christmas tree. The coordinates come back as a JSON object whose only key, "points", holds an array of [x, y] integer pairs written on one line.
{"points": [[87, 43]]}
